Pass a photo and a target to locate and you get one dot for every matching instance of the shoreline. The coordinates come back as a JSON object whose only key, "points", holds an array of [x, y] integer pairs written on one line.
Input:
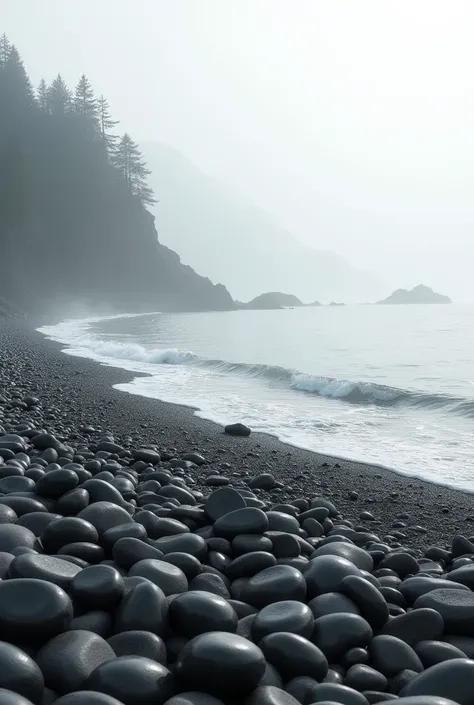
{"points": [[83, 391], [68, 348]]}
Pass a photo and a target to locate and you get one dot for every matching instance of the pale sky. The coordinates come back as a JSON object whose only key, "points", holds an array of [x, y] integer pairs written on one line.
{"points": [[351, 121]]}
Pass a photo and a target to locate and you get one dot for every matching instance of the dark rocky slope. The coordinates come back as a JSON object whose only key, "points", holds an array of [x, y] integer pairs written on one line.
{"points": [[71, 231]]}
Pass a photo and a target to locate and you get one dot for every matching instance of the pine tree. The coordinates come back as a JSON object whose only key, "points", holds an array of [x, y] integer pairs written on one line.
{"points": [[84, 103], [5, 48], [129, 161], [16, 86], [59, 96], [42, 96], [106, 124]]}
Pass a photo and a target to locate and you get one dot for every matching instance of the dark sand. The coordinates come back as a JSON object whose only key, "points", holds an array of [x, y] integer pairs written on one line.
{"points": [[78, 391]]}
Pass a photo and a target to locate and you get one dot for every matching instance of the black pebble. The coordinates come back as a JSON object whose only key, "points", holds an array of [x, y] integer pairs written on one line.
{"points": [[99, 587], [19, 673], [219, 663], [136, 680], [293, 655], [68, 659], [286, 616], [33, 610], [139, 643], [195, 612]]}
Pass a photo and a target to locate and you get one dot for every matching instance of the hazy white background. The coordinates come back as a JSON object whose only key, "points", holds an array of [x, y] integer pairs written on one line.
{"points": [[352, 121]]}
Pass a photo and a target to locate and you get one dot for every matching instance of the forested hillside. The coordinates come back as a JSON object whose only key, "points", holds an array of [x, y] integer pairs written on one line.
{"points": [[74, 229]]}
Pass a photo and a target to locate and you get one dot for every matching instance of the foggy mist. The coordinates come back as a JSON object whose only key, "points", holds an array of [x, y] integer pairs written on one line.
{"points": [[349, 122]]}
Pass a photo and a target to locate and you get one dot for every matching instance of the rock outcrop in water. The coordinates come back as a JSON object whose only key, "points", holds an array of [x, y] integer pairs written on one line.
{"points": [[418, 295], [71, 229], [273, 300]]}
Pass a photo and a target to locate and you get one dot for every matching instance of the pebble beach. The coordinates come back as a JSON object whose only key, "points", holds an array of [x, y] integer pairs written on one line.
{"points": [[147, 557]]}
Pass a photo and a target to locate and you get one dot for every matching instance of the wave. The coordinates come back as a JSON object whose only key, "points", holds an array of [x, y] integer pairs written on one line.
{"points": [[349, 391]]}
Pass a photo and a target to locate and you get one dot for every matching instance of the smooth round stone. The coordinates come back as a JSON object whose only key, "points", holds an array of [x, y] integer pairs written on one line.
{"points": [[37, 521], [463, 575], [8, 697], [456, 607], [222, 664], [104, 515], [279, 521], [336, 693], [56, 483], [418, 625], [368, 598], [23, 505], [250, 520], [139, 643], [12, 536], [211, 581], [301, 688], [193, 698], [249, 564], [95, 621], [73, 502], [19, 673], [293, 655], [143, 608], [67, 530], [336, 633], [102, 491], [166, 576], [68, 659], [284, 545], [390, 655], [413, 588], [362, 677], [187, 563], [88, 552], [433, 652], [223, 501], [281, 582], [136, 680], [19, 483], [5, 560], [130, 530], [401, 563], [356, 555], [183, 543], [286, 616], [354, 655], [54, 570], [33, 610], [270, 695], [7, 515], [250, 543], [325, 574], [450, 679], [195, 612], [128, 550], [332, 603], [99, 587]]}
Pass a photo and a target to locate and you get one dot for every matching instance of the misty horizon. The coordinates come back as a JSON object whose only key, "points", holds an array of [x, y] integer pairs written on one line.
{"points": [[349, 124]]}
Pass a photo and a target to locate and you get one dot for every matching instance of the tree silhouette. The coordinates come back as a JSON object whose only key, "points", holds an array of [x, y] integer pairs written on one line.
{"points": [[106, 124], [84, 102], [59, 97], [5, 48], [72, 227], [130, 163], [18, 92], [42, 96]]}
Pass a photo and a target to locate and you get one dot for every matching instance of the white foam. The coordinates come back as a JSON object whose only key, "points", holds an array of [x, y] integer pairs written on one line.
{"points": [[341, 389]]}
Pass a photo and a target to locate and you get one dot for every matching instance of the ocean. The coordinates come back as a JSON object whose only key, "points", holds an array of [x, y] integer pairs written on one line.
{"points": [[388, 385]]}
